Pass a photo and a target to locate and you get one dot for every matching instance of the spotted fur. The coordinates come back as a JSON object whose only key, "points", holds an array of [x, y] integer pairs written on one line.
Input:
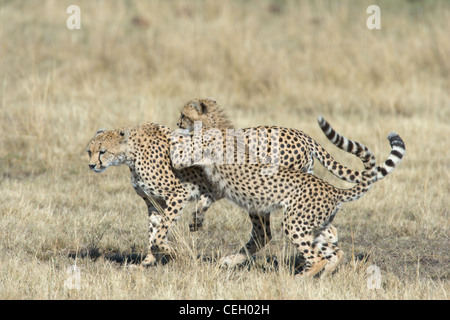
{"points": [[145, 150], [297, 150], [309, 203]]}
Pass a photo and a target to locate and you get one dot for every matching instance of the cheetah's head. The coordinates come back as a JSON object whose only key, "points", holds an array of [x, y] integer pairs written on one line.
{"points": [[107, 148], [194, 110]]}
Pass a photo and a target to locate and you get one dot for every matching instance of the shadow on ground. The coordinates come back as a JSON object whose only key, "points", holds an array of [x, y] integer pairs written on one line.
{"points": [[266, 264], [121, 258]]}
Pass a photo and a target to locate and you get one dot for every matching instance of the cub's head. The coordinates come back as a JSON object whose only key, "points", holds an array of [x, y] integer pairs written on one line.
{"points": [[107, 148], [196, 110]]}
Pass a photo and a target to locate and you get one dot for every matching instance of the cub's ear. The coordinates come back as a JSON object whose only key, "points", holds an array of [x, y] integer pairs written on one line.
{"points": [[196, 106], [99, 131], [199, 106], [211, 99], [125, 133], [204, 107]]}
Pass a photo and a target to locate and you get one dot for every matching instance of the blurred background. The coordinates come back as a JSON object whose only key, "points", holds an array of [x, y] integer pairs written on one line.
{"points": [[266, 62]]}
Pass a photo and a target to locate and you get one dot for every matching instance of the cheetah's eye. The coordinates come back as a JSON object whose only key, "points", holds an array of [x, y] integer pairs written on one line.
{"points": [[102, 151], [89, 153]]}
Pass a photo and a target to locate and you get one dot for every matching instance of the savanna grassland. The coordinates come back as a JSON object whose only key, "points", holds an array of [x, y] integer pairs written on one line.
{"points": [[266, 62]]}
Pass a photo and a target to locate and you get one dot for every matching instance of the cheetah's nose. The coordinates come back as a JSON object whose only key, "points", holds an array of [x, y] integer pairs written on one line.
{"points": [[92, 166]]}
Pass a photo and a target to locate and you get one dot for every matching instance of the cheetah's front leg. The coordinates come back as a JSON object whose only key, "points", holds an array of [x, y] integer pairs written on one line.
{"points": [[154, 223], [175, 205]]}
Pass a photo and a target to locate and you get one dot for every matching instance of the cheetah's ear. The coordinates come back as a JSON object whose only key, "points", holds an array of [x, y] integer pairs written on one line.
{"points": [[200, 107], [204, 107], [99, 131], [197, 106], [125, 133], [211, 99]]}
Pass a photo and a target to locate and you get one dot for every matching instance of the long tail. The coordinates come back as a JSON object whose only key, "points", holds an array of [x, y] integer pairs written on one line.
{"points": [[394, 159], [371, 175], [347, 145]]}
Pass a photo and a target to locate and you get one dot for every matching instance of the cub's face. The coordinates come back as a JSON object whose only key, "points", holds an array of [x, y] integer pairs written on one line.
{"points": [[107, 148], [194, 110]]}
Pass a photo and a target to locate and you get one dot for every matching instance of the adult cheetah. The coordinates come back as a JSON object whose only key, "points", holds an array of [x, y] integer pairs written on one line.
{"points": [[297, 150], [309, 203], [145, 150]]}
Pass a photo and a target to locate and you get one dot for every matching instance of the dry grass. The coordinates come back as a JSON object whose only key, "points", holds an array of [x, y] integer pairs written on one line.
{"points": [[268, 62]]}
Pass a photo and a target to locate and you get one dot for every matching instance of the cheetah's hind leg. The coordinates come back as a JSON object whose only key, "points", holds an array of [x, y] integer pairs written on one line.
{"points": [[260, 236], [326, 243], [198, 216]]}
